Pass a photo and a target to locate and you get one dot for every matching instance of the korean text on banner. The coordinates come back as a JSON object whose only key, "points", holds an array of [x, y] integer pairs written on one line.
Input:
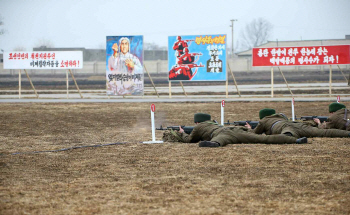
{"points": [[301, 56], [44, 60]]}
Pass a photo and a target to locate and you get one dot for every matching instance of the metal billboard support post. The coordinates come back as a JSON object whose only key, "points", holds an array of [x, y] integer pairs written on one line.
{"points": [[75, 82], [183, 88], [169, 89], [271, 82], [226, 86], [19, 83], [330, 80], [31, 83], [234, 80], [286, 81], [67, 81], [343, 73], [151, 80]]}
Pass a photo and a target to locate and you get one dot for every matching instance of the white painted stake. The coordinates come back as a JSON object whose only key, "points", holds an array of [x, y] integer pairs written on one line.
{"points": [[338, 99], [153, 108], [222, 111], [293, 116], [153, 128]]}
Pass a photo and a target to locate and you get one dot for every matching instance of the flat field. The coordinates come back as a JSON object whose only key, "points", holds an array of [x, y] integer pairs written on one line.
{"points": [[168, 178]]}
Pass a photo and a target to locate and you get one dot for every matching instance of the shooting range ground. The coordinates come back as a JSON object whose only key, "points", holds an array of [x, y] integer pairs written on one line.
{"points": [[167, 178]]}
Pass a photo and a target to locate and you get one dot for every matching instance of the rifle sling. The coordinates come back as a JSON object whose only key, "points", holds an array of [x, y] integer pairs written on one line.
{"points": [[345, 118], [273, 125]]}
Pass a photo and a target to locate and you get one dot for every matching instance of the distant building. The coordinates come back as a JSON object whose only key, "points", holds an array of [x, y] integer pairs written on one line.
{"points": [[293, 43]]}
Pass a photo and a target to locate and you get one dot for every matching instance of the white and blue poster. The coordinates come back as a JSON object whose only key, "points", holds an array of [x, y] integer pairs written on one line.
{"points": [[124, 65], [197, 58]]}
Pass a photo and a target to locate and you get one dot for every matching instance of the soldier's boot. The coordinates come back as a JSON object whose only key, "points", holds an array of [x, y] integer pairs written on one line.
{"points": [[208, 144], [302, 140]]}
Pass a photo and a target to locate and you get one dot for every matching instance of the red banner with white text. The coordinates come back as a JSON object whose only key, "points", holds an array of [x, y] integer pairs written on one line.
{"points": [[301, 56]]}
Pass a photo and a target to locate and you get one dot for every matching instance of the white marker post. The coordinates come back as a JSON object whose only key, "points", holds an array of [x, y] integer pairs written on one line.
{"points": [[153, 109], [293, 116], [338, 99], [222, 111]]}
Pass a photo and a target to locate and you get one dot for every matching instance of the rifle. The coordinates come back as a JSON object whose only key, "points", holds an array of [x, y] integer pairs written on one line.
{"points": [[307, 118], [192, 65], [187, 41], [195, 54], [187, 129], [253, 124]]}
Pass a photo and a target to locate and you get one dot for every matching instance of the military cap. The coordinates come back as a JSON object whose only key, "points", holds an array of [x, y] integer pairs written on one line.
{"points": [[201, 117], [266, 112], [335, 106]]}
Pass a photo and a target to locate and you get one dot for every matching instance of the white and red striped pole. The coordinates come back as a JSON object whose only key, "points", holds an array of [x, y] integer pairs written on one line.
{"points": [[153, 109], [338, 99], [222, 111], [293, 116]]}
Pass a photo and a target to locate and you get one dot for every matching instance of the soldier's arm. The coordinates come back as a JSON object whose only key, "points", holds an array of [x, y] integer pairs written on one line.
{"points": [[190, 138], [176, 45], [259, 129]]}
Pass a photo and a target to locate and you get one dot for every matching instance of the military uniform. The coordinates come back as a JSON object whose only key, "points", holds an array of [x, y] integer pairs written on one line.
{"points": [[279, 124], [211, 131], [340, 118]]}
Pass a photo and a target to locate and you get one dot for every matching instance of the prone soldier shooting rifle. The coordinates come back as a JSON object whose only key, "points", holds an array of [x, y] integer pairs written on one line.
{"points": [[183, 71], [253, 124], [187, 129]]}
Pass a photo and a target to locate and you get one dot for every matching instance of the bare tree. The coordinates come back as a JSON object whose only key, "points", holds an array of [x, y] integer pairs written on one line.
{"points": [[2, 31], [44, 43], [256, 33], [19, 48]]}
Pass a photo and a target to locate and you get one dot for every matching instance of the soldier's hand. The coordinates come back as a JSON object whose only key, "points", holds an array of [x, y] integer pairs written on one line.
{"points": [[247, 125], [317, 121], [181, 130]]}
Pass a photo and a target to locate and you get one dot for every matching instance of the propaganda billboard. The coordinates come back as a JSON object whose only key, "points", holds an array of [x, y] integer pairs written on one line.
{"points": [[301, 56], [43, 60], [197, 58], [124, 65]]}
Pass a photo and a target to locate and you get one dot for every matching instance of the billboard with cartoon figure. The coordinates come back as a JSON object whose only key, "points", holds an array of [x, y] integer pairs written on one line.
{"points": [[197, 58], [124, 65]]}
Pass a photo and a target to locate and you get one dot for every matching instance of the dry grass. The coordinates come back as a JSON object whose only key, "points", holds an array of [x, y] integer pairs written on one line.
{"points": [[169, 178]]}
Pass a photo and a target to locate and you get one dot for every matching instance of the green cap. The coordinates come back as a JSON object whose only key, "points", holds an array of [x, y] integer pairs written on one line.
{"points": [[266, 112], [335, 106], [201, 117]]}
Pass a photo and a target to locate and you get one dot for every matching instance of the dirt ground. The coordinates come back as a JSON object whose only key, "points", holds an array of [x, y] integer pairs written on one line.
{"points": [[168, 178]]}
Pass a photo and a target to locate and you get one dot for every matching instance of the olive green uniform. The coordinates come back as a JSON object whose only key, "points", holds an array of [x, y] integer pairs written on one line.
{"points": [[211, 131], [338, 120], [279, 124]]}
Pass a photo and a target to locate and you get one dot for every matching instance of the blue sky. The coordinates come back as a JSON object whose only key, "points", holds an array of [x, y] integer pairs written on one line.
{"points": [[86, 23]]}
